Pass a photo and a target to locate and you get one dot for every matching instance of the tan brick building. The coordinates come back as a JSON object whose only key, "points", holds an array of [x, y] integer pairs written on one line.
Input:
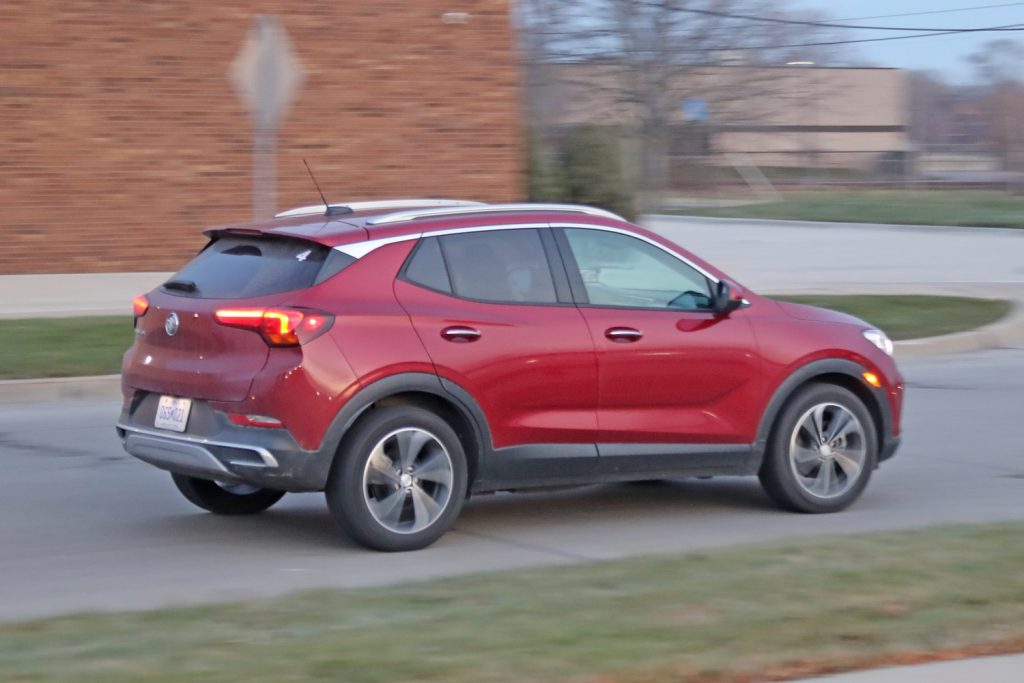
{"points": [[121, 136], [775, 116]]}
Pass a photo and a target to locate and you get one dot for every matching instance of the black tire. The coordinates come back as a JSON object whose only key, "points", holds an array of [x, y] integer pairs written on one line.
{"points": [[211, 496], [355, 484], [786, 479]]}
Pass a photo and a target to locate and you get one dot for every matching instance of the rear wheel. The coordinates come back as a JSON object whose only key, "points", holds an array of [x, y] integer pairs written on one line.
{"points": [[821, 452], [399, 481], [226, 499]]}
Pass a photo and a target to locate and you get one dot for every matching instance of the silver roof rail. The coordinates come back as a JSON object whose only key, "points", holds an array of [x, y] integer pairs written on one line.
{"points": [[401, 216], [374, 206]]}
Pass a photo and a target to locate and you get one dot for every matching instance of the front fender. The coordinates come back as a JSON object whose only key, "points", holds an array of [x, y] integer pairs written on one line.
{"points": [[875, 399]]}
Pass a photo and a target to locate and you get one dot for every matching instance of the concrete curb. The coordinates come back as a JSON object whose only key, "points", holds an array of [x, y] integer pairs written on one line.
{"points": [[1002, 333], [108, 387]]}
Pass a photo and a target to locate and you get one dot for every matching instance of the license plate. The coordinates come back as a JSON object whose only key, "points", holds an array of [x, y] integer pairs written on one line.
{"points": [[172, 413]]}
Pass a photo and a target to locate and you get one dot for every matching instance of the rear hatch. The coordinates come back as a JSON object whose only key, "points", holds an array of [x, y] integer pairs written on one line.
{"points": [[181, 349]]}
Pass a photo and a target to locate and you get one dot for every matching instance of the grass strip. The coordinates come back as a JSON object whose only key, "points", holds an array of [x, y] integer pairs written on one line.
{"points": [[911, 316], [749, 613], [63, 347], [969, 208]]}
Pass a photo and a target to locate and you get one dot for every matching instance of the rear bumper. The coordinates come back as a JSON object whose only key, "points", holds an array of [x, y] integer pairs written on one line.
{"points": [[193, 456], [214, 448]]}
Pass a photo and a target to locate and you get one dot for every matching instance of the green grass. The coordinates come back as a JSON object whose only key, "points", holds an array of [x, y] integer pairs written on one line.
{"points": [[912, 317], [914, 207], [62, 347], [734, 615]]}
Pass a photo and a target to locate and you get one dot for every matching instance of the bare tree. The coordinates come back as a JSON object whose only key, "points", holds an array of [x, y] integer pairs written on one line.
{"points": [[632, 62], [999, 68]]}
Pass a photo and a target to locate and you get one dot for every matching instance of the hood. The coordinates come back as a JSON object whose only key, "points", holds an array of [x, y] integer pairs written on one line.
{"points": [[823, 315]]}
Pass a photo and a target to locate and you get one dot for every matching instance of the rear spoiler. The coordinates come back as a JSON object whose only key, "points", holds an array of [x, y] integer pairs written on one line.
{"points": [[219, 232]]}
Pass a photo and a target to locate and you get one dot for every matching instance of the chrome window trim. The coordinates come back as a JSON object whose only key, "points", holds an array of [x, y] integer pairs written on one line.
{"points": [[375, 205], [268, 459], [358, 250], [484, 228], [629, 233]]}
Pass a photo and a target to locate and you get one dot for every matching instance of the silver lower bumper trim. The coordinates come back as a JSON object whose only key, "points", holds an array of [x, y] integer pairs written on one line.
{"points": [[175, 456], [167, 450]]}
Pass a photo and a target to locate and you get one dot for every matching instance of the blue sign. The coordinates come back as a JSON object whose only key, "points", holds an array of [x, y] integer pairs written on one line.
{"points": [[695, 109]]}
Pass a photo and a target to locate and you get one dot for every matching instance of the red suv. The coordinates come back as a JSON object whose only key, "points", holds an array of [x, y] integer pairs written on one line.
{"points": [[402, 355]]}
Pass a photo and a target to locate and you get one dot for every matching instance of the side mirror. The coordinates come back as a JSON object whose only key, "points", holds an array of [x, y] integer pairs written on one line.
{"points": [[728, 297]]}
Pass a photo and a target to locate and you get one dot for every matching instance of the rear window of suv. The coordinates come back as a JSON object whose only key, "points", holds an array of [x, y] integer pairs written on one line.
{"points": [[243, 266]]}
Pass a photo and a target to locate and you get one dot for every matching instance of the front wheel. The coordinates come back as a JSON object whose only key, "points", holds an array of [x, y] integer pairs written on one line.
{"points": [[226, 499], [821, 452], [399, 481]]}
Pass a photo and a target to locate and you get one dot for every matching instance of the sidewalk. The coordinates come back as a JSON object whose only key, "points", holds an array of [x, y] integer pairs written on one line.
{"points": [[1002, 669], [62, 296]]}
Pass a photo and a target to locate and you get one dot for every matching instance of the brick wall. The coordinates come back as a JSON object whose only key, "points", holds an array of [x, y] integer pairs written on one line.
{"points": [[121, 136]]}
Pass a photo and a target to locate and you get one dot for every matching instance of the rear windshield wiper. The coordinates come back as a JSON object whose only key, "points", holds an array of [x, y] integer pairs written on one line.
{"points": [[181, 285]]}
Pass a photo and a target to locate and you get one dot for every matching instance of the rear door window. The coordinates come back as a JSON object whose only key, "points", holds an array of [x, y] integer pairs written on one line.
{"points": [[499, 266], [504, 266], [243, 266]]}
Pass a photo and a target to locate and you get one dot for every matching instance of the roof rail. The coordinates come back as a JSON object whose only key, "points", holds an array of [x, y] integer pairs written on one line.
{"points": [[352, 207], [412, 215]]}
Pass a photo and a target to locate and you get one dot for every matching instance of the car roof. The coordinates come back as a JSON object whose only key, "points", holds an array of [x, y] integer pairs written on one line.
{"points": [[377, 225], [384, 222]]}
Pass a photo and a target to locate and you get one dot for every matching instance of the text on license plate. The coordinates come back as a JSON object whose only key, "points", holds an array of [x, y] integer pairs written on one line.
{"points": [[172, 413]]}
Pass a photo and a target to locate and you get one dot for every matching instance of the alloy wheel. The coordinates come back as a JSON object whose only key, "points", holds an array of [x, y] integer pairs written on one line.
{"points": [[407, 480], [827, 450]]}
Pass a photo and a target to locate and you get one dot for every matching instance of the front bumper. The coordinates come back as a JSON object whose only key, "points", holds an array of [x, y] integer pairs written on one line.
{"points": [[888, 447], [214, 448]]}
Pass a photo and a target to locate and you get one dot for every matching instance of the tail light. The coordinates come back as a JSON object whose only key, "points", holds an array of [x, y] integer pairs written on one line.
{"points": [[278, 326], [140, 305]]}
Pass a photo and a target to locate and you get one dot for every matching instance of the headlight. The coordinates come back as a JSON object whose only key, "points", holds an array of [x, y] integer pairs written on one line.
{"points": [[879, 339]]}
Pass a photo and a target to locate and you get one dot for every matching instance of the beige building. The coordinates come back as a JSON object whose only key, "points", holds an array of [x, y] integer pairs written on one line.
{"points": [[792, 116]]}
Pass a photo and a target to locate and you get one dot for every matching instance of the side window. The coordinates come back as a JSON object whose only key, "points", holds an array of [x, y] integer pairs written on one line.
{"points": [[504, 266], [427, 266], [619, 270]]}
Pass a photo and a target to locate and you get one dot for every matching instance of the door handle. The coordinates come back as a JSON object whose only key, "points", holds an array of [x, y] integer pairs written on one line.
{"points": [[460, 335], [623, 335]]}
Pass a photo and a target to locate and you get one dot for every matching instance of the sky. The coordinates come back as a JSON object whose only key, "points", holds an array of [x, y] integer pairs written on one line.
{"points": [[946, 54]]}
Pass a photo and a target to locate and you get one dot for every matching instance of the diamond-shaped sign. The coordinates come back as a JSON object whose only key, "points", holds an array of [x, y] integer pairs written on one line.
{"points": [[266, 72]]}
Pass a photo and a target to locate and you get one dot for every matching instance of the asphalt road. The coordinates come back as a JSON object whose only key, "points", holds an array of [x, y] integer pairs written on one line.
{"points": [[777, 256], [85, 527]]}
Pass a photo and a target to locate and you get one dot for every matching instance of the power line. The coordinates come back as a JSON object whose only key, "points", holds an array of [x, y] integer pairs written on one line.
{"points": [[1016, 27], [934, 11], [817, 44], [821, 24]]}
